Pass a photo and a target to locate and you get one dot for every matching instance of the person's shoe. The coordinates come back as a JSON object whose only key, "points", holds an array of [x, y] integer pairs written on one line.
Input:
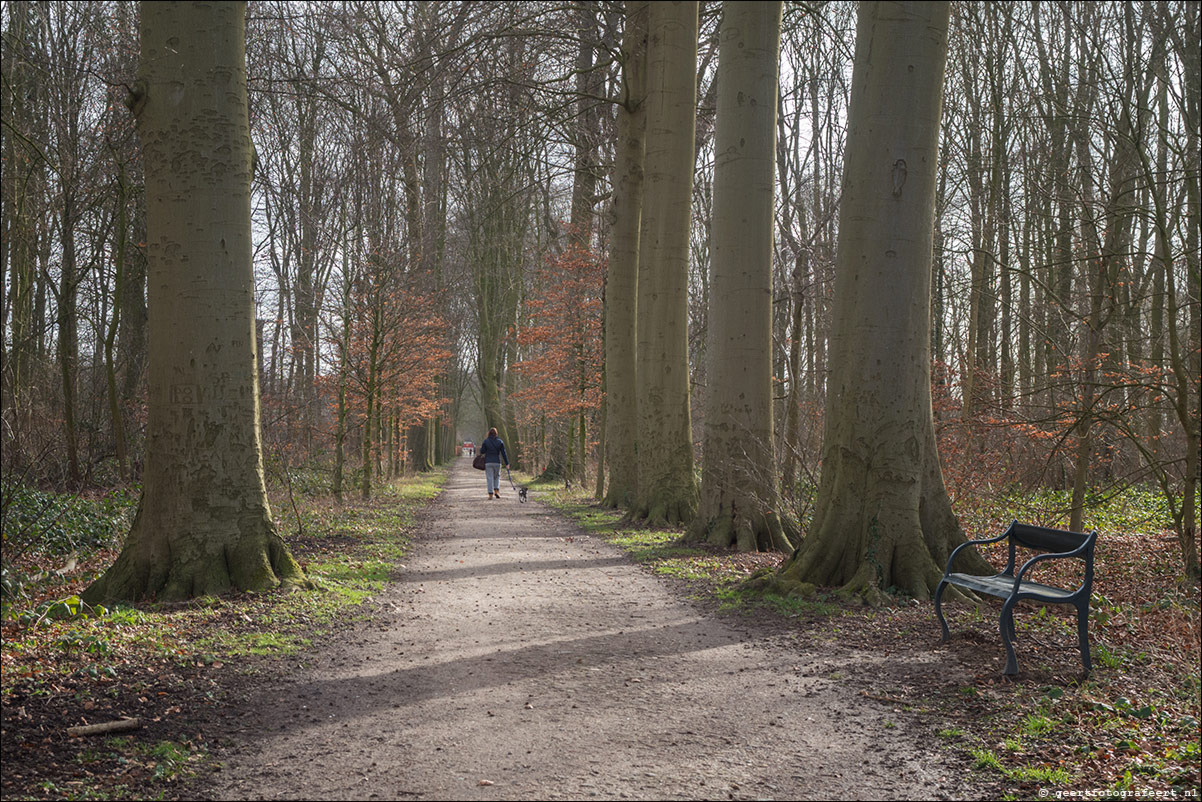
{"points": [[490, 494]]}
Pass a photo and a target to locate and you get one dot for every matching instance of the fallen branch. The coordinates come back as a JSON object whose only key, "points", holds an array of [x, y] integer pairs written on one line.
{"points": [[120, 725]]}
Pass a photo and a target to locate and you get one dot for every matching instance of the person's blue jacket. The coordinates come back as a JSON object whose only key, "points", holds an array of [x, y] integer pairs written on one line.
{"points": [[493, 449]]}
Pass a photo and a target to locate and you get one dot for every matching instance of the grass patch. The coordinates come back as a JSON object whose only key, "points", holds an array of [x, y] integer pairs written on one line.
{"points": [[986, 759], [1036, 725], [737, 597], [170, 759], [709, 572]]}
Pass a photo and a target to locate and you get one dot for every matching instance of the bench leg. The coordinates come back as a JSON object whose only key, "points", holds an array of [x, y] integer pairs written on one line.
{"points": [[939, 611], [1083, 633], [1007, 627]]}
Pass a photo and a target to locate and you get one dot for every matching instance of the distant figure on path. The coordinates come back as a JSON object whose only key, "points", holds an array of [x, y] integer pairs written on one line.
{"points": [[493, 449]]}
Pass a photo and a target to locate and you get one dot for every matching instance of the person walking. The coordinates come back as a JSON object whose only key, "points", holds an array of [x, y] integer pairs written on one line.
{"points": [[493, 449]]}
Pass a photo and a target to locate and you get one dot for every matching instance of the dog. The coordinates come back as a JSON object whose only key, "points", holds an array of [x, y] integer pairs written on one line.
{"points": [[522, 495]]}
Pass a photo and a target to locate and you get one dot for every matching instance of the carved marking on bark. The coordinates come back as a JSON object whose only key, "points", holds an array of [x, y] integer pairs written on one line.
{"points": [[899, 177]]}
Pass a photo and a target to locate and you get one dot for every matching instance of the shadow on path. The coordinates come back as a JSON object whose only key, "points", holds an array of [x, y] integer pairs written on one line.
{"points": [[517, 657]]}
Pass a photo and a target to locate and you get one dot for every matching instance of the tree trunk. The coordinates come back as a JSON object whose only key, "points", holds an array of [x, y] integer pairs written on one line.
{"points": [[599, 491], [589, 86], [739, 485], [1185, 353], [883, 518], [110, 335], [23, 184], [68, 329], [203, 525], [344, 359], [621, 281], [667, 488], [418, 444], [371, 391]]}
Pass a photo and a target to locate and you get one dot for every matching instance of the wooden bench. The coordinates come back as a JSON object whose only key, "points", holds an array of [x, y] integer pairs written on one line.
{"points": [[1014, 587]]}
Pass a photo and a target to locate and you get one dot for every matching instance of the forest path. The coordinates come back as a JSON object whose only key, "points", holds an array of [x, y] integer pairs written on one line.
{"points": [[519, 658]]}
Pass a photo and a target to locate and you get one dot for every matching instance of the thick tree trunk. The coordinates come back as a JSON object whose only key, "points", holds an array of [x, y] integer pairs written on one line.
{"points": [[883, 518], [418, 444], [204, 525], [667, 487], [739, 484], [621, 281]]}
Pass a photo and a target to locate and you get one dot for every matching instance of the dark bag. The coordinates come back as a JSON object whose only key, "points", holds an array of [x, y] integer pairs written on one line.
{"points": [[478, 462]]}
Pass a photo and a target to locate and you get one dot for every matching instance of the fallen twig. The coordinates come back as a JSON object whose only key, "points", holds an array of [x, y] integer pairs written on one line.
{"points": [[120, 725]]}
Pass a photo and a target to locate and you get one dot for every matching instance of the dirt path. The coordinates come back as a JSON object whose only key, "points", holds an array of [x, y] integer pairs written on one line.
{"points": [[521, 659]]}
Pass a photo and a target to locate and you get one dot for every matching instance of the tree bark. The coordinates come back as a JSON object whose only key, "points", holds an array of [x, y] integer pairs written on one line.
{"points": [[667, 487], [621, 281], [204, 525], [110, 336], [883, 518], [586, 133], [739, 485], [23, 184]]}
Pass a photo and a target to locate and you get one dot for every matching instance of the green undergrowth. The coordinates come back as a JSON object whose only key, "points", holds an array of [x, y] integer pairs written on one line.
{"points": [[163, 762], [349, 550], [1066, 736], [45, 534]]}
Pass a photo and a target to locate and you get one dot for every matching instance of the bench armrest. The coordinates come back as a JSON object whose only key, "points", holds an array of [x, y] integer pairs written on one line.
{"points": [[952, 558], [1080, 552]]}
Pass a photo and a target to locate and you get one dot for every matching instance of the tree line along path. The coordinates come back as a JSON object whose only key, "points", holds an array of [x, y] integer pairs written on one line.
{"points": [[518, 658]]}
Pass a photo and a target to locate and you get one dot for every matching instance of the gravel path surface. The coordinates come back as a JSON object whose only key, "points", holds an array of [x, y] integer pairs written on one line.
{"points": [[519, 658]]}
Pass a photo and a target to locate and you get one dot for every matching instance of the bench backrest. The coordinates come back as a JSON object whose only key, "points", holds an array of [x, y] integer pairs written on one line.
{"points": [[1042, 538]]}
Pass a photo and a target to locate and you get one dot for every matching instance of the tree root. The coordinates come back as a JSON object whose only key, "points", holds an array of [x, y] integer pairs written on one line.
{"points": [[257, 561], [665, 512], [765, 533], [770, 582]]}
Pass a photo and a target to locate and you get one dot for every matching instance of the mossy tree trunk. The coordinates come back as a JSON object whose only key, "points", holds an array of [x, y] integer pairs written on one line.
{"points": [[739, 490], [204, 525], [667, 489], [883, 518]]}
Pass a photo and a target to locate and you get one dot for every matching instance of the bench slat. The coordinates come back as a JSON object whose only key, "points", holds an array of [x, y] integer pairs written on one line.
{"points": [[1002, 586], [1043, 538]]}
